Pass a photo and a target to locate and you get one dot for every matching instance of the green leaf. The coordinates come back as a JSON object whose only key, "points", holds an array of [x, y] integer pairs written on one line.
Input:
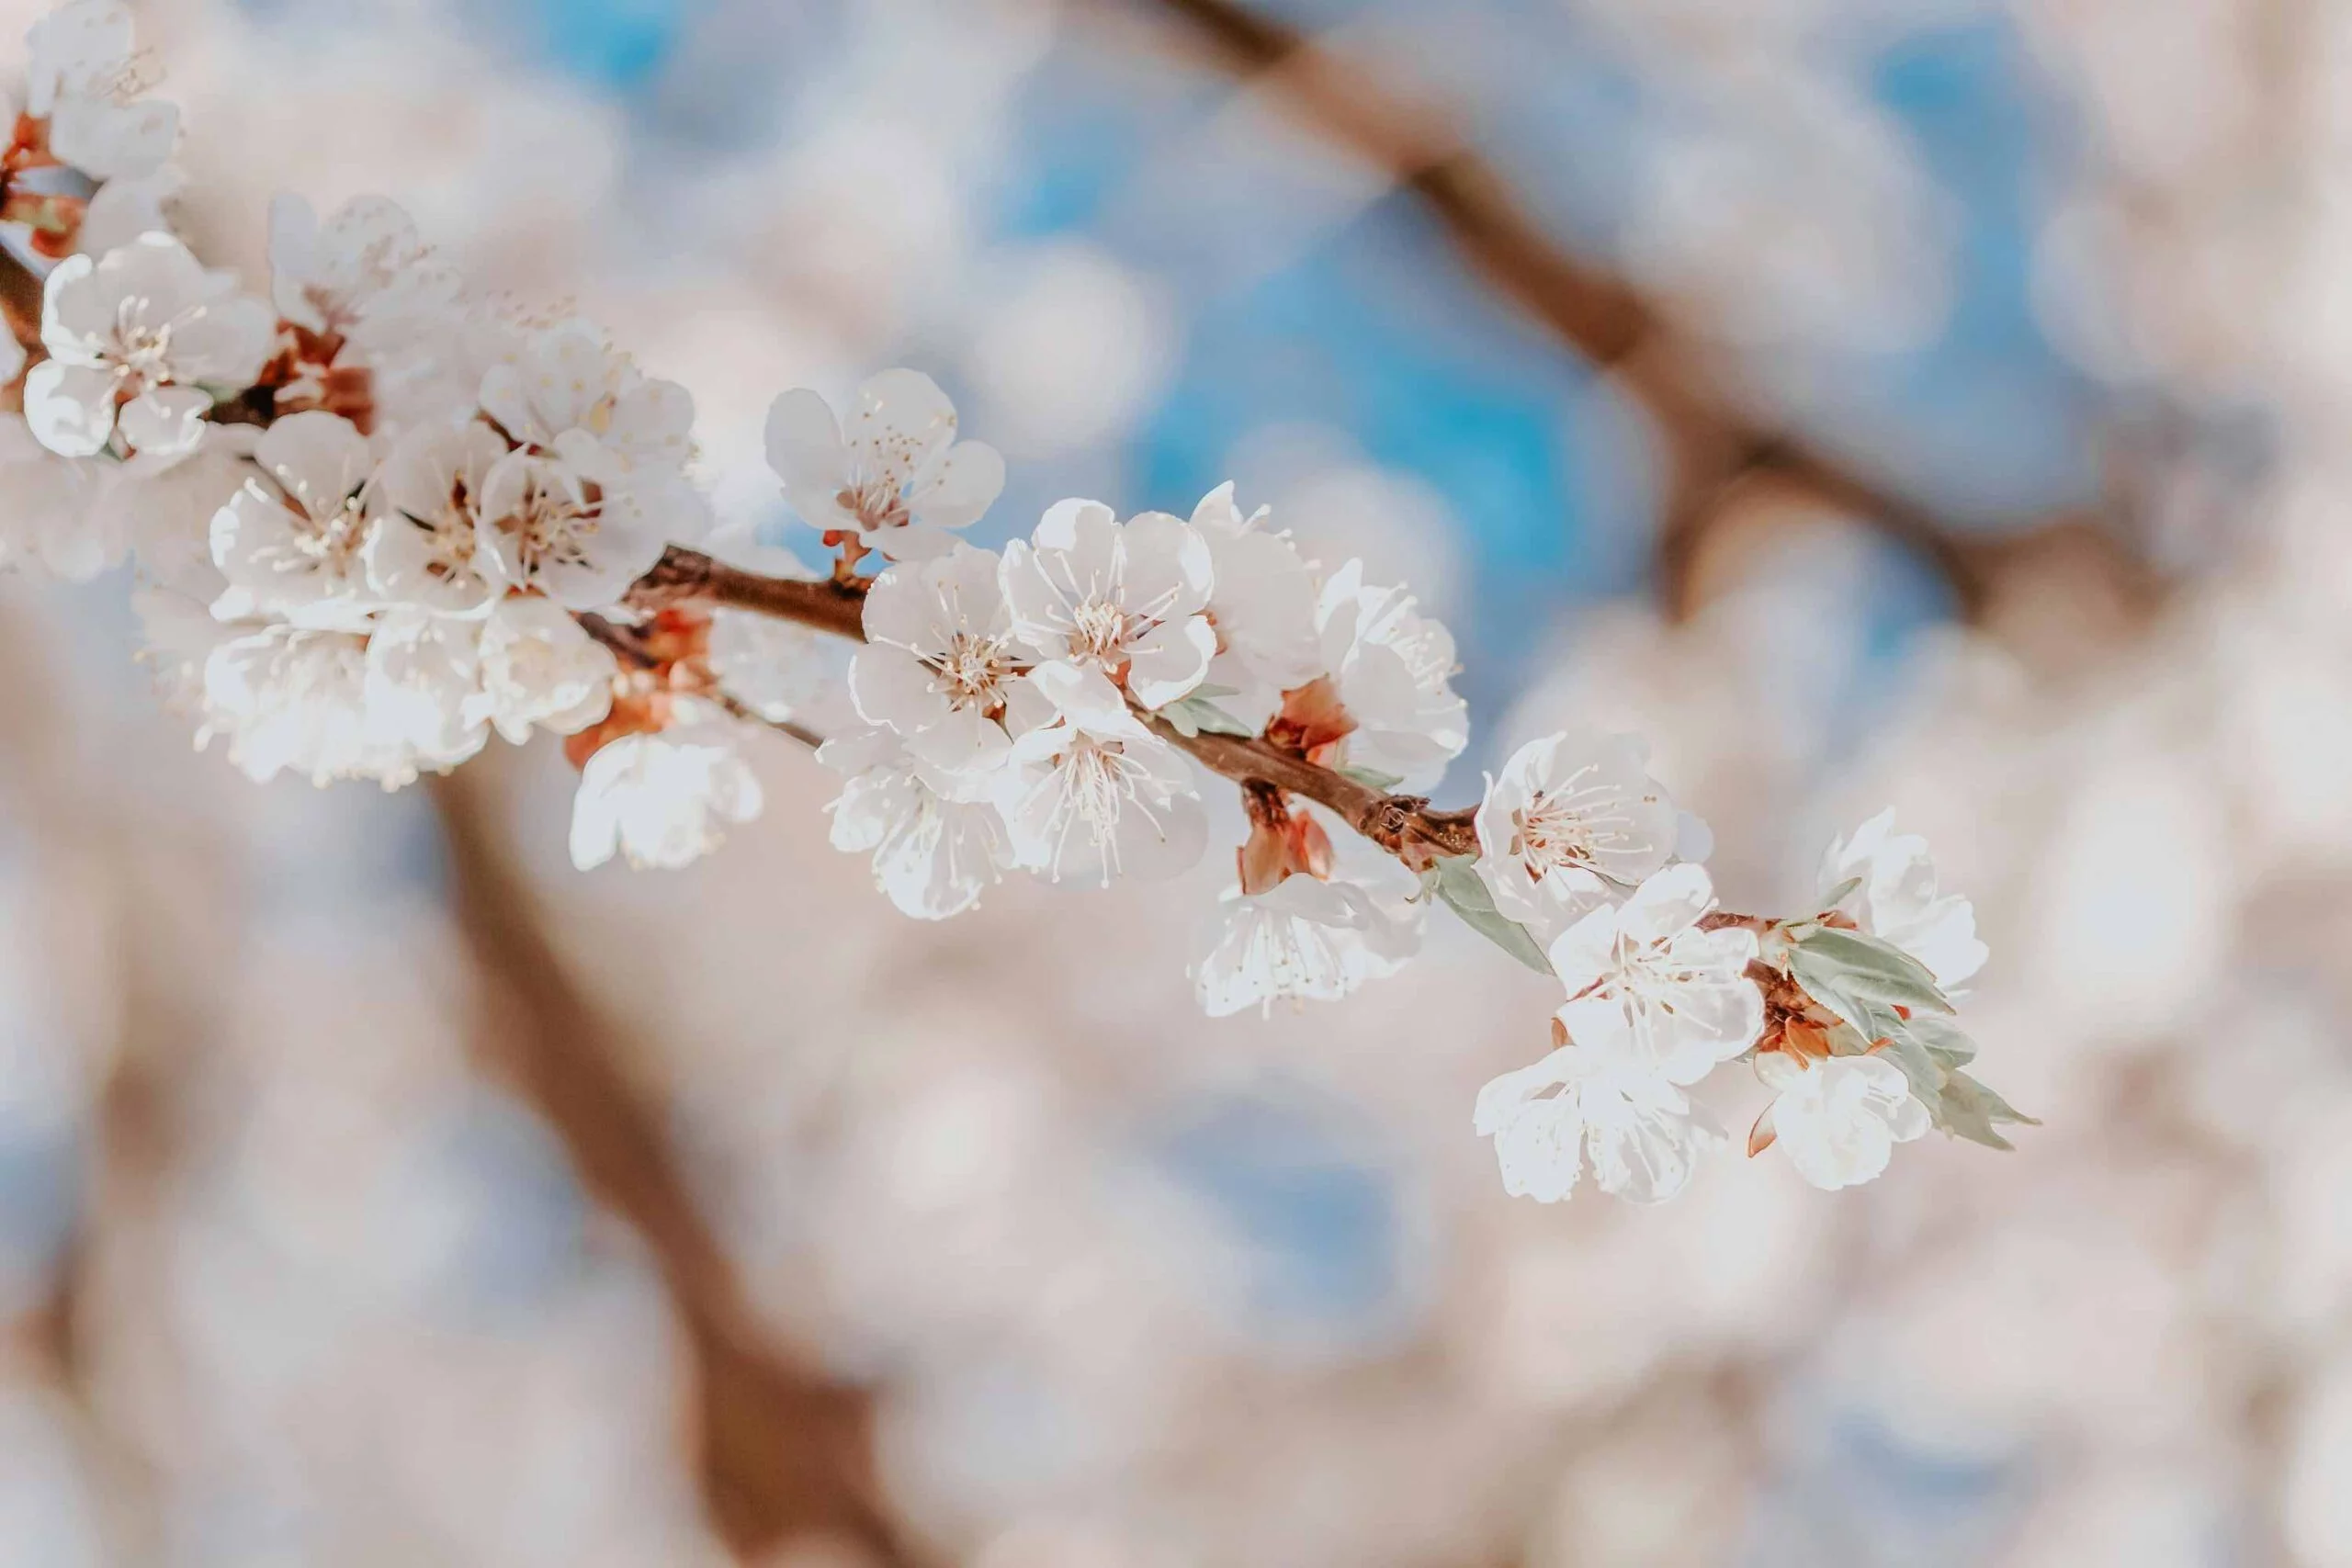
{"points": [[1372, 778], [1211, 690], [1868, 968], [1458, 882], [1195, 715], [1825, 983], [1840, 893], [1943, 1041], [1967, 1109]]}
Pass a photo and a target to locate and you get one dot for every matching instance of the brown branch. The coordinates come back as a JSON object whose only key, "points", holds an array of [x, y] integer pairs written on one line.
{"points": [[1714, 442], [684, 576], [21, 298], [785, 1453], [1404, 825]]}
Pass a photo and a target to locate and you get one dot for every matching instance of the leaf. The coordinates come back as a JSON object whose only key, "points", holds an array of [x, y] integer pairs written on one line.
{"points": [[1211, 690], [1840, 893], [1943, 1041], [1195, 715], [1827, 984], [1872, 969], [1967, 1109], [1458, 882], [1372, 778]]}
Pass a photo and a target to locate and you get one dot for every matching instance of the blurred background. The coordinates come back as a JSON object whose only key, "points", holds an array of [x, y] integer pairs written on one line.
{"points": [[1940, 403]]}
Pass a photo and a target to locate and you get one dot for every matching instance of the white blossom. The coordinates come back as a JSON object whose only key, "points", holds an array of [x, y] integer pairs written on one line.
{"points": [[140, 341], [662, 801], [564, 390], [362, 276], [1642, 1135], [1839, 1118], [1392, 668], [1566, 810], [422, 670], [934, 855], [1094, 793], [1644, 980], [1125, 599], [370, 313], [553, 528], [597, 488], [893, 474], [940, 663], [429, 542], [1898, 899], [1304, 939], [295, 699], [83, 79], [125, 209], [292, 542], [56, 513], [1262, 606], [536, 667]]}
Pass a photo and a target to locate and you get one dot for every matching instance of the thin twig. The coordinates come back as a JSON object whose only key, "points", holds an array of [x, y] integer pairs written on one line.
{"points": [[786, 1452]]}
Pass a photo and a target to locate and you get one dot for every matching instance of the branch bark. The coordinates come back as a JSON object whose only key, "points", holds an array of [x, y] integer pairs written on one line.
{"points": [[20, 297], [785, 1453]]}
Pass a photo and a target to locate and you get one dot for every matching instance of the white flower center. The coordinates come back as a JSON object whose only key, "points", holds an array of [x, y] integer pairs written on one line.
{"points": [[143, 353], [1098, 632], [1552, 834], [971, 670], [552, 527], [1096, 781], [335, 535], [1568, 826], [876, 504]]}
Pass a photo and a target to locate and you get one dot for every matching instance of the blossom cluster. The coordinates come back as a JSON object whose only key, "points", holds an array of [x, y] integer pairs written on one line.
{"points": [[378, 519], [1843, 1014]]}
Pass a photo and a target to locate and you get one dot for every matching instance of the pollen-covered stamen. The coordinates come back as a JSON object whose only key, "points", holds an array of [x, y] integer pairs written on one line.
{"points": [[876, 504], [1098, 633], [1572, 825], [142, 352], [972, 670], [333, 535], [1097, 781], [555, 524]]}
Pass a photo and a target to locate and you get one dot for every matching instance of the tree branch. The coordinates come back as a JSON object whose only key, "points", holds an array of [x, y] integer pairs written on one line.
{"points": [[1714, 442], [1404, 825], [20, 297], [684, 576], [785, 1453]]}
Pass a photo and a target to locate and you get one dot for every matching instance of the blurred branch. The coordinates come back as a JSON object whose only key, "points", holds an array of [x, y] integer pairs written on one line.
{"points": [[785, 1453], [1716, 443]]}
